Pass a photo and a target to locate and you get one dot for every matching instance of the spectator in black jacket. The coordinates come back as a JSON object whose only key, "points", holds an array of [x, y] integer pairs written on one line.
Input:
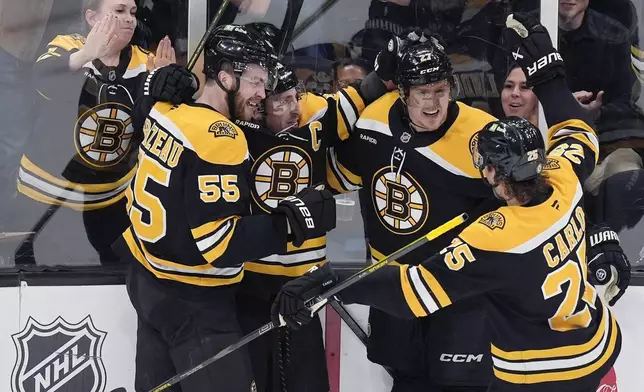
{"points": [[596, 50]]}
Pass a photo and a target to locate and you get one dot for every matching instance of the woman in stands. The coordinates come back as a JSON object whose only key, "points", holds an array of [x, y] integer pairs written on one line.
{"points": [[517, 98], [83, 150]]}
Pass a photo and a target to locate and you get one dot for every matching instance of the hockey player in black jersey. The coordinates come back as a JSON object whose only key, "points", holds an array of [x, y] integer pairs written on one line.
{"points": [[550, 330], [191, 228], [82, 152], [410, 156]]}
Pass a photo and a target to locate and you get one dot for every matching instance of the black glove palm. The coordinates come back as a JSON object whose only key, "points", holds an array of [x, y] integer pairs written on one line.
{"points": [[607, 263], [172, 83], [531, 47], [310, 214], [290, 302]]}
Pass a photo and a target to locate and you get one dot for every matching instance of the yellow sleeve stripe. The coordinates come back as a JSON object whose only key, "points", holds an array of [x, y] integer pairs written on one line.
{"points": [[410, 296], [209, 228], [435, 287], [350, 105], [332, 179], [571, 128], [308, 244], [222, 243], [345, 178]]}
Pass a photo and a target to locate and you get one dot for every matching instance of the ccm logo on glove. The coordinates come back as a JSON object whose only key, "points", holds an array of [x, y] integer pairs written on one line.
{"points": [[303, 209], [603, 236]]}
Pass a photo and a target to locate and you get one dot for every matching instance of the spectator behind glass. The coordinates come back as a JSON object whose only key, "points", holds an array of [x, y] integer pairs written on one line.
{"points": [[82, 154], [347, 71], [596, 51], [518, 99], [22, 25]]}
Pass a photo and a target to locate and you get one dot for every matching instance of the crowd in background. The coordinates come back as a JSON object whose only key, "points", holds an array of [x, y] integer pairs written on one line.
{"points": [[599, 41]]}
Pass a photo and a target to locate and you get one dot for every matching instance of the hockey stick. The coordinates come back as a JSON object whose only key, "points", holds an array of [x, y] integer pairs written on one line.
{"points": [[211, 28], [316, 303], [293, 10], [306, 23], [354, 327]]}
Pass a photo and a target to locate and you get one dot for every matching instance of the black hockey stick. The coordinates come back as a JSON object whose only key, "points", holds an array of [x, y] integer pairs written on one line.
{"points": [[211, 27], [293, 10], [354, 327], [306, 23], [316, 303]]}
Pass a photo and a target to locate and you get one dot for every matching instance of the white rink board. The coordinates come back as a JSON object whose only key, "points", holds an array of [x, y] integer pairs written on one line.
{"points": [[110, 312]]}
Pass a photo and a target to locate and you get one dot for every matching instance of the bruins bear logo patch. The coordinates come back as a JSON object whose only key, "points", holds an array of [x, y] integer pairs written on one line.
{"points": [[493, 220]]}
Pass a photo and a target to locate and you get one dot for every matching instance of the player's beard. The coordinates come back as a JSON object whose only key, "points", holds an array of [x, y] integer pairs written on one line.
{"points": [[244, 108]]}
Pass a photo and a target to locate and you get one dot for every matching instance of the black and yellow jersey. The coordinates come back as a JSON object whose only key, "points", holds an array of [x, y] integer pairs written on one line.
{"points": [[292, 160], [82, 151], [551, 330], [413, 181], [189, 201]]}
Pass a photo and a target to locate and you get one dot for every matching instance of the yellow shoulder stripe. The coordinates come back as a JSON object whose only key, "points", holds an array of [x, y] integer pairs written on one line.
{"points": [[312, 107], [379, 109], [139, 57], [68, 42]]}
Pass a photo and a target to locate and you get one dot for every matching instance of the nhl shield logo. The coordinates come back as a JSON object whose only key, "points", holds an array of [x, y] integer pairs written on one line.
{"points": [[59, 356]]}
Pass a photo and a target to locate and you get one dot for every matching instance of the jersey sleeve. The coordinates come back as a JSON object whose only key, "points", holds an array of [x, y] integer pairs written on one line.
{"points": [[458, 272], [217, 206], [571, 134], [52, 71], [342, 166]]}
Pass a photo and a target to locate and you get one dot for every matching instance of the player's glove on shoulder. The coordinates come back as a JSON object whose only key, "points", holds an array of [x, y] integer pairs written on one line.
{"points": [[531, 47], [290, 303], [607, 263], [310, 214], [172, 83]]}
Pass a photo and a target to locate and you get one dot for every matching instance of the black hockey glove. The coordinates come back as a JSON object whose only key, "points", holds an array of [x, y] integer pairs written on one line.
{"points": [[387, 59], [289, 305], [310, 214], [607, 263], [531, 47], [172, 83]]}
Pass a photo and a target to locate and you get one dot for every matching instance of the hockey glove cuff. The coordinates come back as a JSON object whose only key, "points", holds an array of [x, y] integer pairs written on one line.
{"points": [[607, 264], [289, 307], [531, 47], [310, 214], [172, 83]]}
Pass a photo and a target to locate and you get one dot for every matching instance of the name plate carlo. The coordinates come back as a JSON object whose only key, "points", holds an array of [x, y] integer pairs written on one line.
{"points": [[60, 356]]}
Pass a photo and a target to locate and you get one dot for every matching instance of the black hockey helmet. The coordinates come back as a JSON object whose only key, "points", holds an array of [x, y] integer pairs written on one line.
{"points": [[238, 45], [269, 31], [285, 79], [513, 146], [423, 63]]}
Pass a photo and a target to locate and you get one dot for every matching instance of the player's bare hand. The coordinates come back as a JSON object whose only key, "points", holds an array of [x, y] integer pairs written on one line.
{"points": [[587, 101], [254, 7], [165, 54], [101, 39]]}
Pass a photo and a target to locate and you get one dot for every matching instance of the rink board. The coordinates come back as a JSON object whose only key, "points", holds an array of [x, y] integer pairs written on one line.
{"points": [[82, 339]]}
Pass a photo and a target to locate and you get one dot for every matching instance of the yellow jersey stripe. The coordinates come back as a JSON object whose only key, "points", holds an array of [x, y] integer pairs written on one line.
{"points": [[435, 287], [564, 375], [565, 351], [409, 294], [210, 227], [312, 243], [89, 188], [77, 206], [212, 255], [282, 270]]}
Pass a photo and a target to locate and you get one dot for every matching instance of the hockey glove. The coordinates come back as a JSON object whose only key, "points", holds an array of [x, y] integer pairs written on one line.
{"points": [[531, 47], [387, 59], [607, 264], [310, 214], [289, 304], [172, 83]]}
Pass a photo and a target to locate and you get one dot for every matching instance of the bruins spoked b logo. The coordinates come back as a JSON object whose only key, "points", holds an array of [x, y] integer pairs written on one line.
{"points": [[401, 204], [103, 134], [280, 172]]}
